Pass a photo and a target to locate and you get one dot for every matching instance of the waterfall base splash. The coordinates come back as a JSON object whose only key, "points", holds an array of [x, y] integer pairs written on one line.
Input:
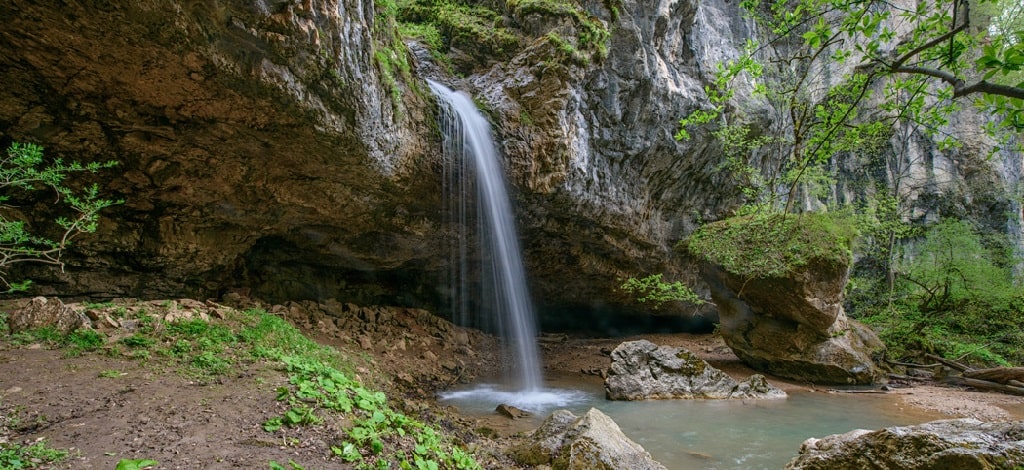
{"points": [[483, 398]]}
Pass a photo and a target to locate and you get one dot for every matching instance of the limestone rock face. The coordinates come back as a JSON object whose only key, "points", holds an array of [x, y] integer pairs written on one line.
{"points": [[261, 147], [641, 370], [962, 444], [795, 327], [257, 147], [592, 442]]}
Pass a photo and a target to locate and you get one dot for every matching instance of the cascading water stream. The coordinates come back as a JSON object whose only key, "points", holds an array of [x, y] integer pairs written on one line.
{"points": [[468, 140]]}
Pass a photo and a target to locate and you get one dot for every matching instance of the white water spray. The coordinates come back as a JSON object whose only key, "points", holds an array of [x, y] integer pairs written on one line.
{"points": [[468, 139]]}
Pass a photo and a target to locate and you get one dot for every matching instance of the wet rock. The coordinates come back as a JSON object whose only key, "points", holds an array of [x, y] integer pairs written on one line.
{"points": [[961, 444], [41, 312], [592, 441], [511, 412], [641, 370]]}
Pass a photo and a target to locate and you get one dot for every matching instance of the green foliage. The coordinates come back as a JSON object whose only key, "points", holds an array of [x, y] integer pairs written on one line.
{"points": [[291, 466], [136, 464], [770, 244], [318, 387], [949, 298], [83, 340], [593, 35], [46, 335], [658, 292], [38, 455], [24, 170], [474, 28]]}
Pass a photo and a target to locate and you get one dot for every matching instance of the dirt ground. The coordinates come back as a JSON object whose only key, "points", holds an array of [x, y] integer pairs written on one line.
{"points": [[148, 410]]}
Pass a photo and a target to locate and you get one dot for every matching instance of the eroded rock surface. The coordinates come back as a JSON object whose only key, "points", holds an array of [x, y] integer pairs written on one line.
{"points": [[795, 327], [592, 442], [42, 312], [961, 444], [641, 370]]}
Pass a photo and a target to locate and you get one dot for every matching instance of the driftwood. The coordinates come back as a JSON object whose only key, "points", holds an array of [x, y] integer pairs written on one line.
{"points": [[910, 378], [834, 390], [1001, 375], [985, 385], [948, 363]]}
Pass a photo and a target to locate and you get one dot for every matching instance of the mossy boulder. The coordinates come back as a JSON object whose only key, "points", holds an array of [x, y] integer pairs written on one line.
{"points": [[778, 283]]}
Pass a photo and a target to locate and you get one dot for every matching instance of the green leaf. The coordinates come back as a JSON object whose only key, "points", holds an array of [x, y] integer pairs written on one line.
{"points": [[136, 464]]}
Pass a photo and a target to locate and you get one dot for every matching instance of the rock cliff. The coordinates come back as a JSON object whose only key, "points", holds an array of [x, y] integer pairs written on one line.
{"points": [[283, 147], [258, 146]]}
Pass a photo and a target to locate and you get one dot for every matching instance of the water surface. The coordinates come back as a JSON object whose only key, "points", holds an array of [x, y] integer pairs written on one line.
{"points": [[710, 434]]}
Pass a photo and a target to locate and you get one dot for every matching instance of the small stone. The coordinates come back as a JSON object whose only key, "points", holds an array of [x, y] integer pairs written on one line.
{"points": [[365, 342], [511, 412]]}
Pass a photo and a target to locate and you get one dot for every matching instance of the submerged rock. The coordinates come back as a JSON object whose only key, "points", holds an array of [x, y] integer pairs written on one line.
{"points": [[592, 441], [962, 444], [641, 370]]}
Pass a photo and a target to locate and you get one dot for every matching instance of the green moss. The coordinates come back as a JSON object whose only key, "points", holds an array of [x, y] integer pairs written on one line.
{"points": [[591, 41], [475, 29], [773, 245]]}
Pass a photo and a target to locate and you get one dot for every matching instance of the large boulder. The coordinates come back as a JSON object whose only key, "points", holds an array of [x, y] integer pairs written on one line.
{"points": [[641, 370], [961, 444], [42, 312], [778, 283], [592, 442]]}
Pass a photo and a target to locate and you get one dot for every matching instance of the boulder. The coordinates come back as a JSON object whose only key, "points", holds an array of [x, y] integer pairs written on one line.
{"points": [[41, 312], [592, 441], [794, 326], [962, 444], [641, 370]]}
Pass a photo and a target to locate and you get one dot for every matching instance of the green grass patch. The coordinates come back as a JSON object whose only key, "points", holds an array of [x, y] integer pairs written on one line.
{"points": [[38, 455], [320, 386]]}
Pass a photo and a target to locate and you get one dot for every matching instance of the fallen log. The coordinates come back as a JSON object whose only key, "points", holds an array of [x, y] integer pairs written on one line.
{"points": [[1001, 375], [909, 378], [948, 364], [985, 385]]}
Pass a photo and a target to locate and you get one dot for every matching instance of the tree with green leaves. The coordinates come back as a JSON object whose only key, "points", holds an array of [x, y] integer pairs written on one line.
{"points": [[829, 59], [23, 169]]}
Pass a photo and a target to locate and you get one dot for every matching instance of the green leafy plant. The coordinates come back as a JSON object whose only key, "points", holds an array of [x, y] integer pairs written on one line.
{"points": [[656, 291], [83, 340], [24, 170], [136, 464], [16, 456]]}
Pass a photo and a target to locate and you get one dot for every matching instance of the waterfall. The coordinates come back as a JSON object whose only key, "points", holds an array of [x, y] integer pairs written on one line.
{"points": [[469, 150]]}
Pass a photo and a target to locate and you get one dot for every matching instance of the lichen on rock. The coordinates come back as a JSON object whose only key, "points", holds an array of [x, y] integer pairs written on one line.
{"points": [[641, 370]]}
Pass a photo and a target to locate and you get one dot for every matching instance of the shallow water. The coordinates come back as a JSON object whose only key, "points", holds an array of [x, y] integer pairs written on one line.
{"points": [[708, 434]]}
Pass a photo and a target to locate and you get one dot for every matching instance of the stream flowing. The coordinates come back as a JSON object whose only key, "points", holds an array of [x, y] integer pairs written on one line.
{"points": [[712, 434]]}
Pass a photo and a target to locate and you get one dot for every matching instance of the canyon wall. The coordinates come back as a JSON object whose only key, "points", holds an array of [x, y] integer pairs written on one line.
{"points": [[275, 147]]}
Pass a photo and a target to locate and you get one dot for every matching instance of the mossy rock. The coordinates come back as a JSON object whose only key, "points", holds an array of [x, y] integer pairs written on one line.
{"points": [[774, 244]]}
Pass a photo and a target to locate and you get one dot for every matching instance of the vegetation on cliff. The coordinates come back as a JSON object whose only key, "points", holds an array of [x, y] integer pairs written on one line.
{"points": [[489, 34], [859, 80], [770, 244]]}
